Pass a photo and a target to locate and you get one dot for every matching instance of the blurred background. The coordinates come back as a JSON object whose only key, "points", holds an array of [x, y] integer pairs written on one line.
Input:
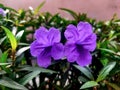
{"points": [[100, 9]]}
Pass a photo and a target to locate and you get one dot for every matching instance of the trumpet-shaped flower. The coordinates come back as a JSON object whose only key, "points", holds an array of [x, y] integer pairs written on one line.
{"points": [[2, 12], [80, 41], [46, 46]]}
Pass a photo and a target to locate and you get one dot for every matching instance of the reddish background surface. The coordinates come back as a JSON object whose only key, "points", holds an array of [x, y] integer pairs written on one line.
{"points": [[98, 9]]}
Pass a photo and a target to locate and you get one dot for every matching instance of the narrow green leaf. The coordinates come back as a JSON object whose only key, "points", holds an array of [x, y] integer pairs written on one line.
{"points": [[114, 86], [107, 50], [23, 44], [11, 84], [2, 40], [19, 35], [4, 64], [82, 79], [29, 77], [89, 84], [3, 61], [0, 52], [72, 13], [29, 68], [105, 71], [38, 8], [85, 71], [2, 72], [11, 38], [21, 50], [3, 58]]}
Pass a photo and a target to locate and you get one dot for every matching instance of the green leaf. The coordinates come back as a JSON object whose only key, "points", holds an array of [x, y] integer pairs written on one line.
{"points": [[85, 71], [2, 72], [21, 50], [107, 50], [72, 13], [105, 71], [3, 61], [29, 77], [4, 64], [2, 40], [23, 44], [38, 8], [11, 38], [82, 79], [3, 57], [29, 68], [7, 82], [19, 35], [89, 84], [114, 86]]}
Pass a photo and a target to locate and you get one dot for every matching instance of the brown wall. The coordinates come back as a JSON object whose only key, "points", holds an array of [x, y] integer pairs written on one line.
{"points": [[99, 9]]}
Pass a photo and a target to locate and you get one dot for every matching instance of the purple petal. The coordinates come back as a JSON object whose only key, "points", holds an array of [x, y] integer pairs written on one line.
{"points": [[2, 12], [71, 33], [41, 35], [71, 52], [44, 59], [84, 26], [57, 51], [54, 35], [85, 57], [35, 48], [84, 29], [89, 43]]}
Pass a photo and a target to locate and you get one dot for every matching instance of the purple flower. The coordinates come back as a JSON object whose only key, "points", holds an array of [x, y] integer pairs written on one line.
{"points": [[2, 12], [47, 45], [80, 41]]}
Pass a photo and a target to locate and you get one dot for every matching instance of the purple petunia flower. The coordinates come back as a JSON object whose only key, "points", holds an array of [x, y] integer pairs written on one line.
{"points": [[47, 45], [2, 12], [80, 41]]}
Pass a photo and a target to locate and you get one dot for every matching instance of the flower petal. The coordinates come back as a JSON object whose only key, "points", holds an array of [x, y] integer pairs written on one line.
{"points": [[54, 35], [57, 51], [90, 43], [84, 26], [41, 35], [35, 48], [84, 29], [71, 52], [44, 59], [2, 12], [71, 33], [85, 57]]}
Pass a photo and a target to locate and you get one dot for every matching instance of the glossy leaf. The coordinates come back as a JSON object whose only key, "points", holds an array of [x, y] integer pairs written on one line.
{"points": [[11, 37], [72, 13], [89, 84], [19, 35], [38, 8], [82, 79], [29, 68], [1, 64], [2, 40], [29, 77], [105, 71], [3, 57], [85, 71], [21, 50], [7, 82], [114, 86], [2, 72]]}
